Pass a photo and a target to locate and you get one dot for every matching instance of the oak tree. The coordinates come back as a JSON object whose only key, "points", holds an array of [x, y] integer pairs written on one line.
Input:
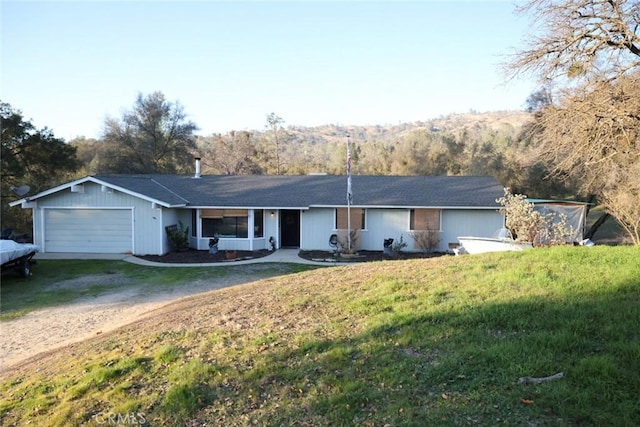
{"points": [[154, 137], [29, 157]]}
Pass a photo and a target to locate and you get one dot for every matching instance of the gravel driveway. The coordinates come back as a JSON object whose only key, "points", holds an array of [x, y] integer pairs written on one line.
{"points": [[50, 328]]}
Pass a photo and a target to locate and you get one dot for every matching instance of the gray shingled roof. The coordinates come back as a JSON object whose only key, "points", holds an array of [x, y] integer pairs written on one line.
{"points": [[313, 190]]}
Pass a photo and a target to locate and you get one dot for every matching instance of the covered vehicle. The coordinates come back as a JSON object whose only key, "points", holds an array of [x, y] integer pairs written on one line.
{"points": [[17, 256]]}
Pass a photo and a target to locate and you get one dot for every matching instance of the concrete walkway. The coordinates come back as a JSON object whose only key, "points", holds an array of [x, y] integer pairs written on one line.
{"points": [[279, 256]]}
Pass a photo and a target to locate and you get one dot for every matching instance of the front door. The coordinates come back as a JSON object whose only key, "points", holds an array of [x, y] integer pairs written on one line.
{"points": [[290, 229]]}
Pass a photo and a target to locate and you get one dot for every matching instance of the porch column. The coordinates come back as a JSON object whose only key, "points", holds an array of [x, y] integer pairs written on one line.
{"points": [[250, 225]]}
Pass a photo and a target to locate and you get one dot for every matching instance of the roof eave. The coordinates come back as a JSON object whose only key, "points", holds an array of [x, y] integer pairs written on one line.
{"points": [[406, 207], [98, 182], [302, 208]]}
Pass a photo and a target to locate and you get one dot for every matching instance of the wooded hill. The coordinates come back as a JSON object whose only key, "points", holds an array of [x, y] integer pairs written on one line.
{"points": [[457, 144]]}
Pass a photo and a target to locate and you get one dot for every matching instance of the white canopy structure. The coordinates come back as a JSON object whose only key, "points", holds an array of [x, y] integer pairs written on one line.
{"points": [[575, 212]]}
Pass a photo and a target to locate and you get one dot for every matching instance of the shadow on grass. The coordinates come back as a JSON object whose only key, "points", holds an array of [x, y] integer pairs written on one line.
{"points": [[450, 368]]}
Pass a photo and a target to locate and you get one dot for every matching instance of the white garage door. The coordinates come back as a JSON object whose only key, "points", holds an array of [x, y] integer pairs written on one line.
{"points": [[88, 230]]}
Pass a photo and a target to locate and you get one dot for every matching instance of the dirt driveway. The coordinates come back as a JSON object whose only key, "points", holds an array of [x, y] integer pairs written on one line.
{"points": [[47, 329]]}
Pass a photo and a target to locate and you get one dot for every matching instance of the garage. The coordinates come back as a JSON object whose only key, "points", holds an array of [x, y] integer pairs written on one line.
{"points": [[88, 230]]}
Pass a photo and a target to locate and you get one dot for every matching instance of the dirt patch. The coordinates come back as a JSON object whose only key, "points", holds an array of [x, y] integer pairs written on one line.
{"points": [[52, 328], [84, 282]]}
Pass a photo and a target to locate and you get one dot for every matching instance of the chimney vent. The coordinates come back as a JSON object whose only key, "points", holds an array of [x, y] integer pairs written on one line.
{"points": [[197, 175]]}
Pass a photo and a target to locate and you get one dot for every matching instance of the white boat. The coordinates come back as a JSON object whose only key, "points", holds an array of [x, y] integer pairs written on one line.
{"points": [[17, 256], [500, 243]]}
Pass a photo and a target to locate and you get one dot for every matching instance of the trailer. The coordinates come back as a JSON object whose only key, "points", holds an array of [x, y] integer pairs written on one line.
{"points": [[16, 256]]}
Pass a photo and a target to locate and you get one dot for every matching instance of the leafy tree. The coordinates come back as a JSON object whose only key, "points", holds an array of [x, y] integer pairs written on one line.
{"points": [[538, 100], [410, 156], [29, 157], [375, 159], [89, 153], [230, 154], [154, 137]]}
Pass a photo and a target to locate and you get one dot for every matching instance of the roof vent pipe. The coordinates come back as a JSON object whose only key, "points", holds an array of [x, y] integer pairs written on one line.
{"points": [[197, 175]]}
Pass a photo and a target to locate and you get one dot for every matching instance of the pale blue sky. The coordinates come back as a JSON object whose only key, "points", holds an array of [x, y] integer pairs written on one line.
{"points": [[69, 65]]}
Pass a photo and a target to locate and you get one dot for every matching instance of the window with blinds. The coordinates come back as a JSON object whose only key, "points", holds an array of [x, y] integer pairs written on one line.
{"points": [[231, 223], [223, 213]]}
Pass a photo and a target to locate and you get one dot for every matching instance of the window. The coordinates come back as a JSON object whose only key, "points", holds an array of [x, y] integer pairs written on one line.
{"points": [[357, 219], [225, 223], [194, 222], [258, 223], [424, 219], [230, 223]]}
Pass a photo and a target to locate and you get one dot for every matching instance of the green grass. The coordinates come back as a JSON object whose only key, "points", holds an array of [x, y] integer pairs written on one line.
{"points": [[408, 343]]}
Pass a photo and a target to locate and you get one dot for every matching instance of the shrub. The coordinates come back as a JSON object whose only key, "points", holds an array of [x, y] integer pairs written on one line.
{"points": [[426, 240], [343, 242], [398, 245], [529, 225], [178, 236]]}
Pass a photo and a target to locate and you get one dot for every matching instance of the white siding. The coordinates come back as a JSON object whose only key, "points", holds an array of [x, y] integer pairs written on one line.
{"points": [[480, 223], [316, 227], [147, 220], [169, 217], [230, 244], [384, 224], [270, 229]]}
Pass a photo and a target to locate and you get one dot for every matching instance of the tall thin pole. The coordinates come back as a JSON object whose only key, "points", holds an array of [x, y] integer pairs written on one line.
{"points": [[349, 196]]}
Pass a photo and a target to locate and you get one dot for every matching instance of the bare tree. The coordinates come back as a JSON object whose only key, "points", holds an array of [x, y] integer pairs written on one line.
{"points": [[590, 129], [580, 39], [275, 123], [623, 202], [594, 133]]}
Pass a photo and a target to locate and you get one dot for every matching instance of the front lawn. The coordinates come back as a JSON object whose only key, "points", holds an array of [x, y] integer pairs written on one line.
{"points": [[440, 341]]}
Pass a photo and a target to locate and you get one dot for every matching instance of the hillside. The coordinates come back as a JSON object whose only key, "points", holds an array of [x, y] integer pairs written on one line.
{"points": [[425, 342], [457, 144], [498, 121]]}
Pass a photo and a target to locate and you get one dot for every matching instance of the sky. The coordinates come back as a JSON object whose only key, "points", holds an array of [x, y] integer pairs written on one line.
{"points": [[71, 65]]}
